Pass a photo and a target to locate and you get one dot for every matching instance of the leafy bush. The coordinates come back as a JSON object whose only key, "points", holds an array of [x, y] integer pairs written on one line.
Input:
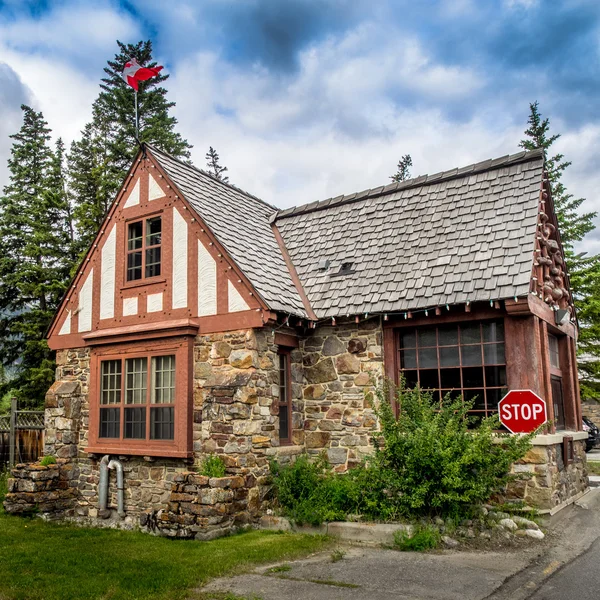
{"points": [[3, 486], [433, 460], [213, 466], [424, 537], [48, 460]]}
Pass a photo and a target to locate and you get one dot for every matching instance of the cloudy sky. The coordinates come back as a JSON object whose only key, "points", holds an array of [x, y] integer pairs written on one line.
{"points": [[305, 99]]}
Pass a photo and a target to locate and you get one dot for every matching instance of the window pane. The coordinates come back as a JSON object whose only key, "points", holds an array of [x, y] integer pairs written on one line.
{"points": [[554, 355], [135, 423], [162, 423], [110, 422], [408, 359], [450, 378], [494, 354], [493, 332], [427, 337], [449, 356], [284, 400], [283, 422], [471, 355], [153, 227], [427, 358], [476, 396], [134, 236], [428, 379], [493, 397], [410, 378], [408, 339], [163, 377], [470, 334], [153, 262], [135, 387], [472, 377], [448, 336], [110, 386], [495, 376], [134, 266]]}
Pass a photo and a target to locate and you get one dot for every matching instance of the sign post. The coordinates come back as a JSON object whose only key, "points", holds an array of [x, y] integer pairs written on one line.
{"points": [[522, 411]]}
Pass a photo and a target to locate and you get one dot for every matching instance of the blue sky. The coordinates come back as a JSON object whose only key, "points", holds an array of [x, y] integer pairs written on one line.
{"points": [[305, 99]]}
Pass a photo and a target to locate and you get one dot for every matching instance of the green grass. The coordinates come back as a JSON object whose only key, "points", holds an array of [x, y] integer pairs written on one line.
{"points": [[49, 561], [593, 467]]}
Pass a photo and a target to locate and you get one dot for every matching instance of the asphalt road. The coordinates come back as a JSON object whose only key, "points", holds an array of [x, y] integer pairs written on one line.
{"points": [[579, 579]]}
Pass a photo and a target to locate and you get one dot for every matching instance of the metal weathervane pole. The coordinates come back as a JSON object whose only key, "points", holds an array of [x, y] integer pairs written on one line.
{"points": [[137, 119]]}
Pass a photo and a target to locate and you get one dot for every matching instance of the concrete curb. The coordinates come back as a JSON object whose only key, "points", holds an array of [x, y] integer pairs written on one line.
{"points": [[358, 533]]}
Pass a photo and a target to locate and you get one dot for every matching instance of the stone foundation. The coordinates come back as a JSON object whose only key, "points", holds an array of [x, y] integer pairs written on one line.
{"points": [[547, 481], [201, 508], [35, 488]]}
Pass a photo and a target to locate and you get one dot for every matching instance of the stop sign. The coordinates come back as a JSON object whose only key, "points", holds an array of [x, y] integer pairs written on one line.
{"points": [[522, 411]]}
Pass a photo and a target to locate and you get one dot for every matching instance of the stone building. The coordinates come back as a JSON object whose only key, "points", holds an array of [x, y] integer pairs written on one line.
{"points": [[204, 321]]}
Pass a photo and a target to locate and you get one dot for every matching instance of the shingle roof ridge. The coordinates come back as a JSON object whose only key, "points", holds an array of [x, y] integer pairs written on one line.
{"points": [[420, 181], [209, 175]]}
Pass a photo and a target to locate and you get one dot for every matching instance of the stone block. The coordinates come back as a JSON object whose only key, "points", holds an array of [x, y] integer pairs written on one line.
{"points": [[317, 439], [220, 350], [322, 372], [333, 346], [352, 418], [536, 455], [243, 359], [337, 456], [347, 364], [357, 345], [362, 379]]}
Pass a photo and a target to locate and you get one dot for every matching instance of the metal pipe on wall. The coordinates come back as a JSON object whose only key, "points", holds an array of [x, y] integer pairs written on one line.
{"points": [[115, 464], [103, 484]]}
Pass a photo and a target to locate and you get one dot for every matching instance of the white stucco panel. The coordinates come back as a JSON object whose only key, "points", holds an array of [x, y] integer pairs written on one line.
{"points": [[134, 196], [154, 190], [207, 282], [66, 326], [236, 302], [130, 306], [107, 276], [180, 262], [154, 302], [85, 304]]}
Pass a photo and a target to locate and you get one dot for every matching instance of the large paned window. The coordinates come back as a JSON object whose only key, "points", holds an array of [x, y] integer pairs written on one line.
{"points": [[556, 382], [131, 399], [461, 360], [143, 248], [285, 400]]}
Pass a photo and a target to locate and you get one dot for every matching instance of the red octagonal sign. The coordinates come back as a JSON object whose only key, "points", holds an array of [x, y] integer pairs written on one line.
{"points": [[522, 411]]}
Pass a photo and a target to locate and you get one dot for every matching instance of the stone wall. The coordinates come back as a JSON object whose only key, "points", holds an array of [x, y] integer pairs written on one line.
{"points": [[547, 481], [45, 489], [201, 508], [341, 367], [592, 411]]}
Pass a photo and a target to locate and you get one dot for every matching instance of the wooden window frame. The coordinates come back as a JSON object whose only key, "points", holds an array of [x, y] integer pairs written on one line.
{"points": [[284, 354], [462, 389], [143, 249], [180, 445]]}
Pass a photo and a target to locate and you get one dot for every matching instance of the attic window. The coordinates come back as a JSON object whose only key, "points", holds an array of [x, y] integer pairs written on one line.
{"points": [[346, 268], [143, 249]]}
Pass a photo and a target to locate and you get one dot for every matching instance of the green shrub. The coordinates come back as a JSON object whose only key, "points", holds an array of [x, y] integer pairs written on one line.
{"points": [[3, 485], [213, 466], [48, 460], [434, 460], [424, 537]]}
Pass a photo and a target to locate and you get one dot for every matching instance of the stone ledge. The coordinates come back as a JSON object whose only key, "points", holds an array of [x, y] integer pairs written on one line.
{"points": [[360, 533]]}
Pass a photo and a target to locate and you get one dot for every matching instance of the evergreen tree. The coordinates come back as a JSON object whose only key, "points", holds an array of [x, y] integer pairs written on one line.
{"points": [[99, 161], [35, 229], [213, 165], [584, 272], [403, 172]]}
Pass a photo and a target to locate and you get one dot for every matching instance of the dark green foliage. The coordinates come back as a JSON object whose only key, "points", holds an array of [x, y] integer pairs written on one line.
{"points": [[213, 165], [429, 461], [48, 460], [403, 172], [213, 466], [584, 272], [423, 537], [99, 161], [36, 257]]}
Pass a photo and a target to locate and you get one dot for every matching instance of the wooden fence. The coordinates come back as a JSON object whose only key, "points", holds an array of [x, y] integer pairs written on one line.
{"points": [[21, 436]]}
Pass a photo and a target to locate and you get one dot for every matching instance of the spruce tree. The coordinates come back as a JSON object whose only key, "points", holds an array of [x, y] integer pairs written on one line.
{"points": [[37, 254], [584, 272], [213, 165], [99, 162], [403, 169]]}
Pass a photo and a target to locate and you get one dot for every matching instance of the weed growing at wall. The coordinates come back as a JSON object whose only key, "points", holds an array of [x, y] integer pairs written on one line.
{"points": [[213, 466]]}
